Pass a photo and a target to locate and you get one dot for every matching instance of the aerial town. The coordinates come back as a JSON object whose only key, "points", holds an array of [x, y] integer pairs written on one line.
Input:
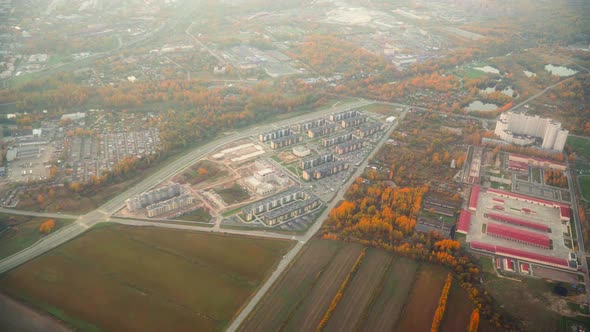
{"points": [[257, 165]]}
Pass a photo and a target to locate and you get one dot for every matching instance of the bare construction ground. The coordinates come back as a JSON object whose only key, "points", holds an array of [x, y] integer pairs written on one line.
{"points": [[358, 294]]}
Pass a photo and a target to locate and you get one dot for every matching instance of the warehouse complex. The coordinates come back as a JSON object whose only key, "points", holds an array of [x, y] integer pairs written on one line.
{"points": [[519, 230]]}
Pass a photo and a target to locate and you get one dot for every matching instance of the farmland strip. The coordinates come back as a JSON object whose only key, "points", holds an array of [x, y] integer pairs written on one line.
{"points": [[308, 316], [286, 295], [384, 313], [359, 292]]}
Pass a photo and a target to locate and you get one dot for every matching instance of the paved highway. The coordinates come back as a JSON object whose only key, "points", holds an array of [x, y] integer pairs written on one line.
{"points": [[90, 219], [304, 238], [39, 214]]}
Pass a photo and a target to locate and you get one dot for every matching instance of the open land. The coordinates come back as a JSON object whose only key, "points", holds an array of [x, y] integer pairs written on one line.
{"points": [[206, 280], [423, 300], [18, 232], [376, 298]]}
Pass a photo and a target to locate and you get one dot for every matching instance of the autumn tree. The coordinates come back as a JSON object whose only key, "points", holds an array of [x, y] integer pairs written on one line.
{"points": [[474, 322], [47, 226]]}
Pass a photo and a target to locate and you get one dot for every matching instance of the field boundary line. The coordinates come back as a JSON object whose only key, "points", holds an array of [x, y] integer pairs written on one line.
{"points": [[365, 315], [307, 291], [278, 281], [341, 291], [403, 311]]}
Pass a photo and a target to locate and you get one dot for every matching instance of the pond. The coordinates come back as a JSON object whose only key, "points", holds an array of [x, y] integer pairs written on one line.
{"points": [[488, 69], [507, 91], [479, 106], [560, 70]]}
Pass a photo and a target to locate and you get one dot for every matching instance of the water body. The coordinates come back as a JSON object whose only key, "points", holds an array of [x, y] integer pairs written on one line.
{"points": [[488, 69], [479, 106], [560, 71], [507, 91], [529, 73]]}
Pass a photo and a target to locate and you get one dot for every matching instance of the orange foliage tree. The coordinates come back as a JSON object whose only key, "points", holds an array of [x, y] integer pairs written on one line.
{"points": [[474, 322], [442, 304], [47, 226]]}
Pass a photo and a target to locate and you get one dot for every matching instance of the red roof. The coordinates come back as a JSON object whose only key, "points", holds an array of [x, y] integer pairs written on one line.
{"points": [[518, 235], [564, 212], [519, 254], [474, 197], [498, 200], [517, 221], [464, 222], [510, 264], [519, 196], [518, 165], [524, 267]]}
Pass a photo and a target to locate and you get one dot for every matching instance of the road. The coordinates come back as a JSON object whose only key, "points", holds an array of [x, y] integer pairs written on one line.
{"points": [[537, 95], [39, 214], [284, 263], [581, 253], [101, 214]]}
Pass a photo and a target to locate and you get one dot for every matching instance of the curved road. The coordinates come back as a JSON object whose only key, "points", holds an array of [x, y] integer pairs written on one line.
{"points": [[101, 214]]}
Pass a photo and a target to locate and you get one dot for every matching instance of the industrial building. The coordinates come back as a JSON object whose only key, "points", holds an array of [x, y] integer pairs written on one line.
{"points": [[274, 134], [368, 129], [337, 117], [521, 129], [336, 139], [321, 131], [349, 146], [316, 160], [521, 232], [285, 141], [168, 205], [351, 122], [153, 196], [324, 170]]}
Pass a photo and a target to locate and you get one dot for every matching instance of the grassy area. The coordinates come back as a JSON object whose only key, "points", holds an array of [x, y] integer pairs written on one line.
{"points": [[526, 301], [585, 186], [146, 279], [381, 109], [233, 194], [581, 145], [19, 232], [199, 215], [473, 73]]}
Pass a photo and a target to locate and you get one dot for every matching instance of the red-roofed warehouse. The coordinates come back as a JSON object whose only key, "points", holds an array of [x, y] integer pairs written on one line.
{"points": [[515, 234], [518, 222]]}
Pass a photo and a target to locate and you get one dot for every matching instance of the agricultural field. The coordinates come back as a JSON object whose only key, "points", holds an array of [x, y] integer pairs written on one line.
{"points": [[19, 232], [162, 280], [386, 293]]}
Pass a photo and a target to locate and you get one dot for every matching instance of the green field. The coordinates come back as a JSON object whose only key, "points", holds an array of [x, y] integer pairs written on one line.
{"points": [[18, 232], [585, 186], [121, 278], [581, 145], [198, 215], [233, 194], [474, 73]]}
